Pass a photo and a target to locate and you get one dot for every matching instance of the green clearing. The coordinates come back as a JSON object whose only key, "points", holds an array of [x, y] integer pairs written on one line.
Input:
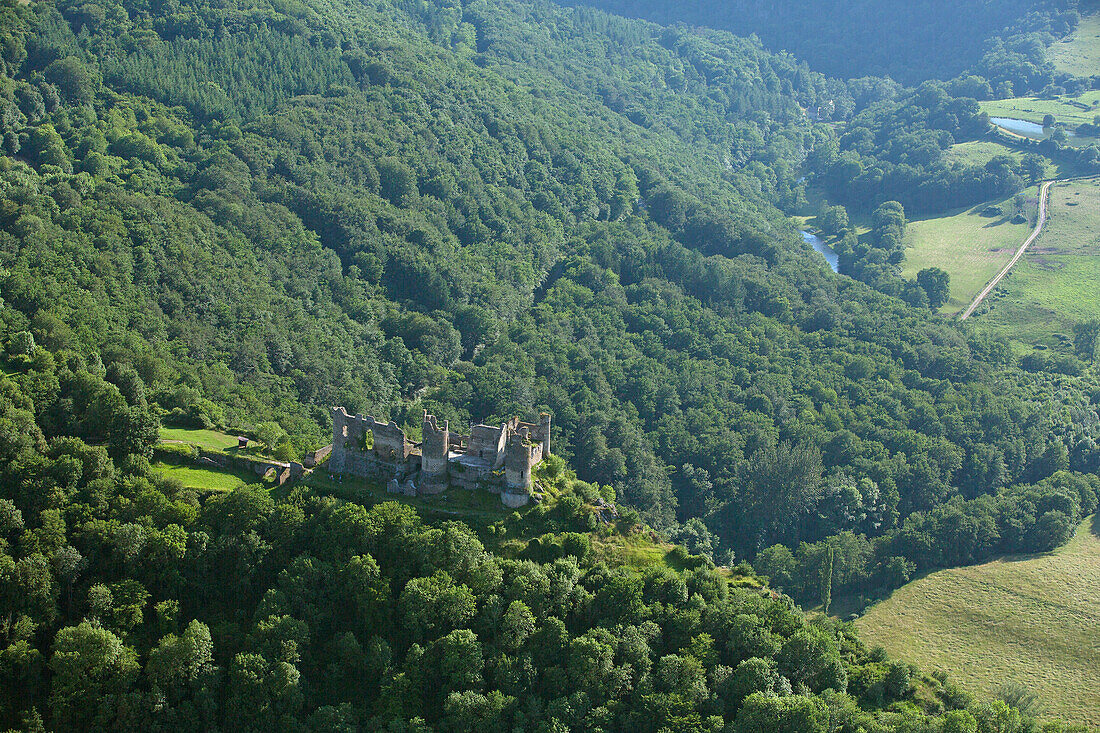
{"points": [[636, 551], [969, 246], [204, 479], [1034, 109], [978, 152], [1079, 52], [1055, 284], [210, 439], [1028, 619]]}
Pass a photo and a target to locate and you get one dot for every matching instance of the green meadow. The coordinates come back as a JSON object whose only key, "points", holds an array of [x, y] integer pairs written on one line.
{"points": [[209, 439], [204, 479], [978, 152], [1027, 619], [1055, 284], [1079, 52], [968, 244]]}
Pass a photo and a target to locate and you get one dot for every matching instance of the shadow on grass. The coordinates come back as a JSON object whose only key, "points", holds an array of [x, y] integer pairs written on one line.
{"points": [[1095, 526], [857, 604]]}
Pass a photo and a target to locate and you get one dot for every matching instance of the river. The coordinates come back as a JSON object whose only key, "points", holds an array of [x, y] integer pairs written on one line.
{"points": [[826, 251]]}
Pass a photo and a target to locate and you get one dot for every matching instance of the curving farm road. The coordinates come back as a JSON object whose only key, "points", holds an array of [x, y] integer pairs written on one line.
{"points": [[1044, 190]]}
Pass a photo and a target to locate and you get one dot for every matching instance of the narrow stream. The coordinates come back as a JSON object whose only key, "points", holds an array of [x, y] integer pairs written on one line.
{"points": [[826, 251]]}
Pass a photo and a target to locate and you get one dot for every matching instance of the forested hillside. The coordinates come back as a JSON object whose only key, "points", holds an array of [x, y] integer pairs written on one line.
{"points": [[909, 42], [466, 212], [221, 215]]}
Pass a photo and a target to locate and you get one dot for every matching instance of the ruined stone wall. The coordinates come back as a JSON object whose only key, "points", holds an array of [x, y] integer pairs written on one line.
{"points": [[539, 431], [487, 441], [309, 460], [390, 451], [428, 468]]}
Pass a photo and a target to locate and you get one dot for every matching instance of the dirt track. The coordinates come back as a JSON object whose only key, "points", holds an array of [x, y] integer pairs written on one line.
{"points": [[1044, 196]]}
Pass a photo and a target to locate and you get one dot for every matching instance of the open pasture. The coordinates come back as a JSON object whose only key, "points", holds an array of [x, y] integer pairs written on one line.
{"points": [[1079, 52], [969, 244], [1056, 282], [1027, 619]]}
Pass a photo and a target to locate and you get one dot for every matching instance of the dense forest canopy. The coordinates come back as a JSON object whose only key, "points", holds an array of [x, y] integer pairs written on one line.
{"points": [[910, 42], [221, 215], [465, 212]]}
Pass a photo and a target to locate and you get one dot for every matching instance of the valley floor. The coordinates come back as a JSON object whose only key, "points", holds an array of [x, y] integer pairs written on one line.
{"points": [[1029, 619], [1054, 284], [969, 244]]}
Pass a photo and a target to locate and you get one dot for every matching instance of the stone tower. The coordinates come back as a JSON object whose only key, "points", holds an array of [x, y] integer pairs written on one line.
{"points": [[544, 433], [434, 453], [520, 456]]}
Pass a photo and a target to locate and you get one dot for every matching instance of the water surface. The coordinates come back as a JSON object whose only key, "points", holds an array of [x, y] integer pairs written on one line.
{"points": [[826, 251], [1022, 127]]}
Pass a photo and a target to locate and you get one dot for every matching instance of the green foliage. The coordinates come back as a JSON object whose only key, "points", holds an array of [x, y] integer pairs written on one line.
{"points": [[936, 284], [239, 216]]}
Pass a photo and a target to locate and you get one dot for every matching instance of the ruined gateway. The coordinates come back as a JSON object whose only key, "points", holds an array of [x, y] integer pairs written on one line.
{"points": [[496, 458]]}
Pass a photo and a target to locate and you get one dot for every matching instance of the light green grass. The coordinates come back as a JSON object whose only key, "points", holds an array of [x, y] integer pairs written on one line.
{"points": [[202, 479], [1056, 283], [978, 152], [637, 550], [1079, 52], [1034, 109], [970, 247], [210, 439], [1031, 620]]}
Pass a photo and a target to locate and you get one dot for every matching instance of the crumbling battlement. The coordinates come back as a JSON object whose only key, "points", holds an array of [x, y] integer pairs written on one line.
{"points": [[498, 458]]}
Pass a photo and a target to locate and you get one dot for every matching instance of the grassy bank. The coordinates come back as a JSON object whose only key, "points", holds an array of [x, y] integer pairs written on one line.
{"points": [[1029, 619]]}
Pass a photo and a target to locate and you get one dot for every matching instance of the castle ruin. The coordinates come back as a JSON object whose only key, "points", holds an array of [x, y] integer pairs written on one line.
{"points": [[498, 458]]}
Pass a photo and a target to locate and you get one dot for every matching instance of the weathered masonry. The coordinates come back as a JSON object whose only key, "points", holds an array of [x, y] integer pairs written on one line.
{"points": [[498, 458]]}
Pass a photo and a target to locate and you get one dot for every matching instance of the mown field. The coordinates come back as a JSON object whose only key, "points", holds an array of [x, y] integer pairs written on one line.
{"points": [[1032, 620], [1034, 109], [970, 246], [1056, 283], [204, 479], [210, 439], [1079, 52]]}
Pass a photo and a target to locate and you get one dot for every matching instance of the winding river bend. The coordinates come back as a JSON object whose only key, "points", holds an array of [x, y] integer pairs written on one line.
{"points": [[826, 251]]}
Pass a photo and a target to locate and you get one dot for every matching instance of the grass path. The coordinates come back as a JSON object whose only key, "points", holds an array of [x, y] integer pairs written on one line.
{"points": [[1032, 619], [1044, 193]]}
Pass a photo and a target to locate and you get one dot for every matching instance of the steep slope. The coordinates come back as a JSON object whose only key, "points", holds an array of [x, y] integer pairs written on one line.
{"points": [[489, 210], [910, 42]]}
